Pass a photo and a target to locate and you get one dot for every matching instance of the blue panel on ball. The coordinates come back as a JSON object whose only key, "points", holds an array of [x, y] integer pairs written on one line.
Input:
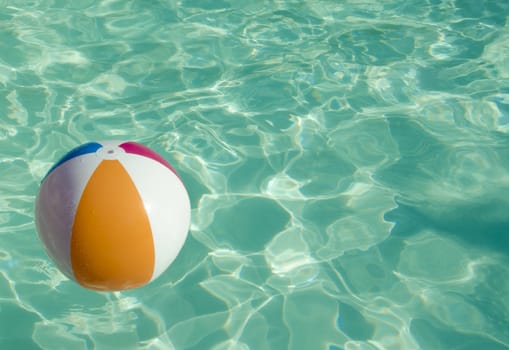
{"points": [[86, 148]]}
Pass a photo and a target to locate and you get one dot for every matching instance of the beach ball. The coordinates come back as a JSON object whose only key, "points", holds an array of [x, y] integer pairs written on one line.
{"points": [[112, 215]]}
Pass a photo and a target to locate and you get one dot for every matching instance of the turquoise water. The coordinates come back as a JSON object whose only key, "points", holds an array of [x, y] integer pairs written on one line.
{"points": [[347, 163]]}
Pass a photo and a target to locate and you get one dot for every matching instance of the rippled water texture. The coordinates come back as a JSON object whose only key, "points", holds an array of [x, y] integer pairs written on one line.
{"points": [[347, 163]]}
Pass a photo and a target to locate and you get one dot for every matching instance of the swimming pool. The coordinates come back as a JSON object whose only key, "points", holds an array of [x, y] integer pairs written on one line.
{"points": [[346, 163]]}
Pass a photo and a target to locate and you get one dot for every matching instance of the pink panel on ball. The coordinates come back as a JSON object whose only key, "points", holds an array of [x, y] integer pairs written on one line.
{"points": [[136, 148]]}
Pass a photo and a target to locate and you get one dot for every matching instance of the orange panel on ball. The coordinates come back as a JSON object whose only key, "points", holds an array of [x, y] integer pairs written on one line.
{"points": [[111, 245]]}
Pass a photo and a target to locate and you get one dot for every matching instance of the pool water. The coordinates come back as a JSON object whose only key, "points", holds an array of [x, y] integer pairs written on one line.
{"points": [[347, 163]]}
